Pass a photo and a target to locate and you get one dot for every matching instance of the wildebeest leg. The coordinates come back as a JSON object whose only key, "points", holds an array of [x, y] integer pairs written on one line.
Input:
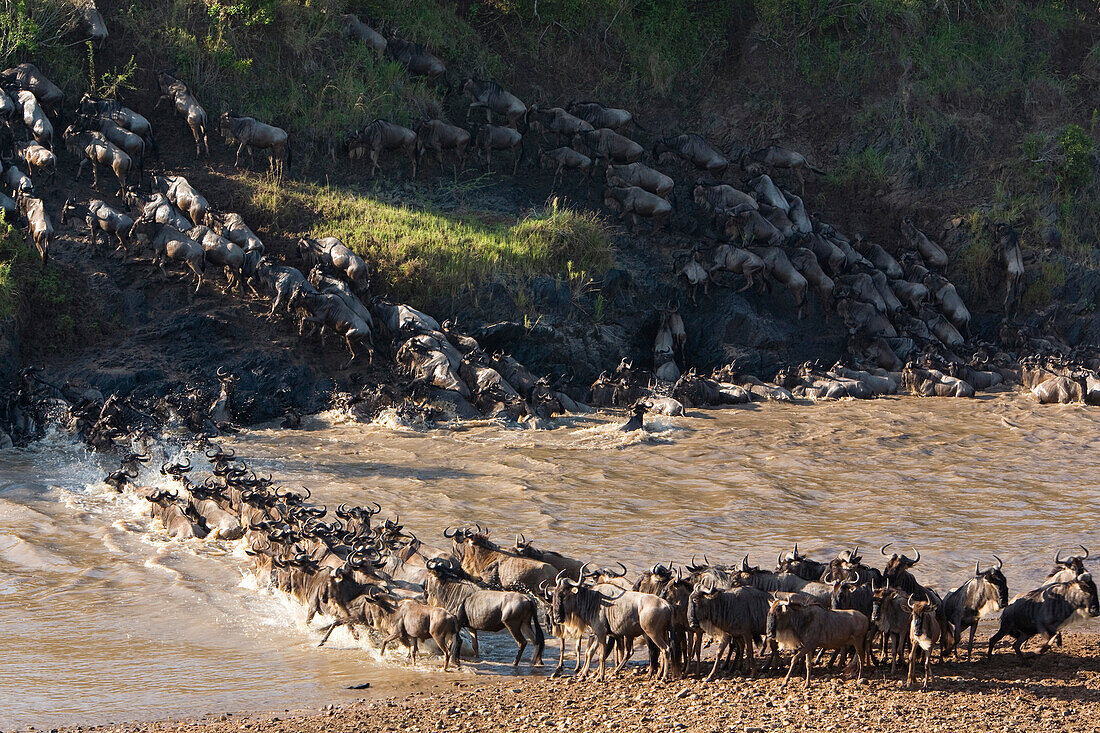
{"points": [[970, 645], [237, 160], [414, 648], [474, 644], [717, 657], [328, 631], [912, 665], [1001, 633], [794, 660], [347, 339], [392, 637], [517, 633], [251, 157], [373, 162]]}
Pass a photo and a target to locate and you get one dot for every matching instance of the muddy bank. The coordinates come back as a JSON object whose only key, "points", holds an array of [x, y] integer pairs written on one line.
{"points": [[1060, 692]]}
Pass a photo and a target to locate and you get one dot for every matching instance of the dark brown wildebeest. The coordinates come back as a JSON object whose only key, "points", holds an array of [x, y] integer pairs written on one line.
{"points": [[480, 610], [437, 136], [101, 218], [378, 137], [27, 77], [251, 134], [410, 622], [774, 156], [1008, 247], [164, 507], [331, 252], [181, 193], [566, 157], [187, 106], [555, 121], [779, 267], [924, 632], [929, 251], [40, 227], [492, 97], [803, 624], [488, 138], [130, 142], [640, 175], [38, 158], [692, 148], [637, 203], [738, 260], [416, 59], [490, 563], [1045, 611], [736, 617], [109, 109], [220, 252], [330, 311], [169, 243], [357, 30], [599, 116], [985, 593], [608, 145], [34, 119], [93, 22]]}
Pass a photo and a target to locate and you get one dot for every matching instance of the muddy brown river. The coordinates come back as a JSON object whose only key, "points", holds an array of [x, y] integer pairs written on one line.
{"points": [[102, 618]]}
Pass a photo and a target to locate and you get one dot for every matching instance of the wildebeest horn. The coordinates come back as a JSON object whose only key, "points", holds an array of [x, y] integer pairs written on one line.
{"points": [[619, 575], [377, 509], [342, 511], [745, 563], [1057, 555], [1085, 549], [977, 567], [883, 548], [452, 534], [917, 558], [825, 578], [999, 563]]}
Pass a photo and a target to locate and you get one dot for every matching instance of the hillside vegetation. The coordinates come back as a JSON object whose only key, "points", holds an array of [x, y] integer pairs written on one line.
{"points": [[977, 111]]}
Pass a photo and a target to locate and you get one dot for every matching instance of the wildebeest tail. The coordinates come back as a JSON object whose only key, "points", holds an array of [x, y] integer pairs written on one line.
{"points": [[540, 638]]}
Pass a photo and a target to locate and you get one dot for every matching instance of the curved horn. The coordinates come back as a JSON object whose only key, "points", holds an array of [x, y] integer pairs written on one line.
{"points": [[619, 575], [883, 548], [977, 567], [745, 563], [1086, 551], [1057, 555], [999, 563], [452, 534], [917, 558]]}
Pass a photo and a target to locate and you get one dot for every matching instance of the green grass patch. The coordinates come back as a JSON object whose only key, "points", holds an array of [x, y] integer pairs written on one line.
{"points": [[420, 252]]}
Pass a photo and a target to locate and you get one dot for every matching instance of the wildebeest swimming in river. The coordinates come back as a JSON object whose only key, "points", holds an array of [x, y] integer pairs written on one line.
{"points": [[250, 133]]}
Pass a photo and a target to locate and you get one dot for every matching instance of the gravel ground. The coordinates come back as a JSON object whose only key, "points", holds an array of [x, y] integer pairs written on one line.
{"points": [[1060, 692]]}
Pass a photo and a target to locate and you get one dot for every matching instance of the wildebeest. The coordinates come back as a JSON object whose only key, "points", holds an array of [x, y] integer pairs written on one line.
{"points": [[416, 59], [640, 175], [599, 116], [220, 252], [692, 148], [637, 203], [378, 137], [565, 157], [437, 136], [123, 116], [779, 267], [722, 196], [251, 134], [878, 256], [1045, 611], [1008, 247], [164, 507], [169, 243], [747, 225], [284, 282], [608, 145], [27, 77], [37, 158], [949, 300], [7, 106], [331, 252], [35, 119], [93, 22], [101, 218], [981, 595], [181, 193], [478, 609], [486, 561], [611, 614], [356, 29], [492, 97], [18, 181], [737, 617], [488, 138], [410, 621], [330, 311], [796, 622], [891, 616], [929, 251], [555, 121], [340, 289], [161, 210], [131, 143], [41, 229], [924, 632], [187, 106], [9, 210], [738, 260], [777, 157]]}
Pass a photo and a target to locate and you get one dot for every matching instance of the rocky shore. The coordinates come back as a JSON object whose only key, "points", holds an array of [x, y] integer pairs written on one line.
{"points": [[1060, 692]]}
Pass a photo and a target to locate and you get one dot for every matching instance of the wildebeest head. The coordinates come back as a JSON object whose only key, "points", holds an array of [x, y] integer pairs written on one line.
{"points": [[897, 564], [1076, 563], [994, 578], [697, 605]]}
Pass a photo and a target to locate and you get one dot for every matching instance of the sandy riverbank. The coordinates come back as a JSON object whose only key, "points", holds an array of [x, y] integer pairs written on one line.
{"points": [[1060, 692]]}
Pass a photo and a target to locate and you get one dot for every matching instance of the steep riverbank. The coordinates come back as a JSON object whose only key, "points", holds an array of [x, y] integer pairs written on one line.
{"points": [[1058, 693]]}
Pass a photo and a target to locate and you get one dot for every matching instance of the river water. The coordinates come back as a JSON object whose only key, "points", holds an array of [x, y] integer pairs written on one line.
{"points": [[102, 618]]}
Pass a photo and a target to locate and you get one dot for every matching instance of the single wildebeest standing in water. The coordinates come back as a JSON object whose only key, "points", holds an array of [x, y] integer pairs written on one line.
{"points": [[249, 133], [187, 107]]}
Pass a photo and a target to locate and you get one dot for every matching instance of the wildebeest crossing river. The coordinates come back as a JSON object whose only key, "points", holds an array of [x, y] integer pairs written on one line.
{"points": [[102, 618]]}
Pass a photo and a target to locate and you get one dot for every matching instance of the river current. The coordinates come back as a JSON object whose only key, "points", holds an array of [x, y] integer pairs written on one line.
{"points": [[102, 618]]}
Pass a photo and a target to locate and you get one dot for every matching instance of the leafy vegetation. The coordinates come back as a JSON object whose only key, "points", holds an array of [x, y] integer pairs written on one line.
{"points": [[420, 252]]}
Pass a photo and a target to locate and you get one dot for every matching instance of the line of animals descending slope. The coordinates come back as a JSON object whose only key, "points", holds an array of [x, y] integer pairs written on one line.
{"points": [[906, 320]]}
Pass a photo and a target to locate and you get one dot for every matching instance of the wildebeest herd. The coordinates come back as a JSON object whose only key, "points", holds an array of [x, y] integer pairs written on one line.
{"points": [[366, 573]]}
